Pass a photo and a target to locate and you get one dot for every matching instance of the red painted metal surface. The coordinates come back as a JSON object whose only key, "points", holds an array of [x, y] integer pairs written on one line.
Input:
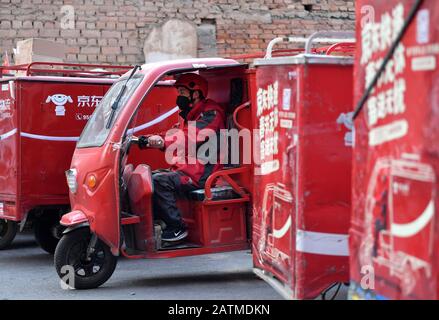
{"points": [[394, 233], [140, 191], [41, 118], [301, 201], [221, 224], [73, 218]]}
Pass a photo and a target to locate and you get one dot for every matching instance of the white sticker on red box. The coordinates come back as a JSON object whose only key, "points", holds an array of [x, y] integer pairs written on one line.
{"points": [[423, 27], [424, 63]]}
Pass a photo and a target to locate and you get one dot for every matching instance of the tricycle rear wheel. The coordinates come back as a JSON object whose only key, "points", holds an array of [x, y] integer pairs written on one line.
{"points": [[46, 230], [8, 231], [71, 252]]}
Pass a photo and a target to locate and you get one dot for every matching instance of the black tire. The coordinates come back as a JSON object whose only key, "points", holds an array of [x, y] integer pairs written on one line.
{"points": [[8, 231], [45, 230], [71, 251]]}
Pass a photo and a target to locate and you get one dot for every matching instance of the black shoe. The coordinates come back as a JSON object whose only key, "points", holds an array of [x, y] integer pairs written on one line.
{"points": [[174, 234]]}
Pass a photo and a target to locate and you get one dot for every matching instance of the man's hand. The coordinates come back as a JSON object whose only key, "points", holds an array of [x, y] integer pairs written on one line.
{"points": [[152, 141], [156, 141]]}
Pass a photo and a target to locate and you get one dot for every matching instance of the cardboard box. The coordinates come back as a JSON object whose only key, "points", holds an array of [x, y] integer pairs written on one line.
{"points": [[39, 50]]}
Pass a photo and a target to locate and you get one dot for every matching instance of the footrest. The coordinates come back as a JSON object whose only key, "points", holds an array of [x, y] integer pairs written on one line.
{"points": [[166, 245]]}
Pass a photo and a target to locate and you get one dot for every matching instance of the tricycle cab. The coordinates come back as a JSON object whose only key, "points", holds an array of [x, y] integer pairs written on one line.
{"points": [[216, 216]]}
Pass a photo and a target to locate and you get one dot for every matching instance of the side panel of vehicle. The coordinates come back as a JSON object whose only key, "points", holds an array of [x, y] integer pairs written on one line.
{"points": [[394, 229]]}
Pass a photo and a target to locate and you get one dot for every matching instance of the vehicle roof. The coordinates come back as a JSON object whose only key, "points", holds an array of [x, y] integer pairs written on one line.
{"points": [[180, 65]]}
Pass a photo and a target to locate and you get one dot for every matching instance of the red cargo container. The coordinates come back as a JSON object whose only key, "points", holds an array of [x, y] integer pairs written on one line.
{"points": [[394, 230], [301, 200], [41, 117]]}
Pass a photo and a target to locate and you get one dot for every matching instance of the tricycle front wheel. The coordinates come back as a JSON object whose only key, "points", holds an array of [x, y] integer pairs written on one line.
{"points": [[8, 231], [75, 268]]}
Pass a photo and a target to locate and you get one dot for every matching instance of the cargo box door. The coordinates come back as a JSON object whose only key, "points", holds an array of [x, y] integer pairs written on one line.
{"points": [[275, 150]]}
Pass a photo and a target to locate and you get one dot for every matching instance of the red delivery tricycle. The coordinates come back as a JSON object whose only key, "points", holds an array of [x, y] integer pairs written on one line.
{"points": [[111, 186], [43, 109], [102, 174]]}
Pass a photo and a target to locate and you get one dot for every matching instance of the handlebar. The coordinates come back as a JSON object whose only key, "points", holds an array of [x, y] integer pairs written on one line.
{"points": [[134, 139], [137, 140]]}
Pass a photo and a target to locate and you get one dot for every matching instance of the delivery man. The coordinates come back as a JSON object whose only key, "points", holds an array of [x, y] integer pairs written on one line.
{"points": [[197, 114]]}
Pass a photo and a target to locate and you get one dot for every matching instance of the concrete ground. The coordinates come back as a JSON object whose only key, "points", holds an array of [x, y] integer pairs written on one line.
{"points": [[27, 272]]}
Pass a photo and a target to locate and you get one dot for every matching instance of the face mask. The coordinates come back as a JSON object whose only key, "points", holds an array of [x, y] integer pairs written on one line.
{"points": [[183, 103]]}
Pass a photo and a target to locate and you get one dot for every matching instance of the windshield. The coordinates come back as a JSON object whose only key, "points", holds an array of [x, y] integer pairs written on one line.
{"points": [[96, 132]]}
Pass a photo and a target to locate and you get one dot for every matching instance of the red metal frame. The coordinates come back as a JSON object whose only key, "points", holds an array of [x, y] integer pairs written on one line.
{"points": [[81, 72], [342, 47], [167, 254], [261, 54], [345, 48], [236, 112], [225, 174]]}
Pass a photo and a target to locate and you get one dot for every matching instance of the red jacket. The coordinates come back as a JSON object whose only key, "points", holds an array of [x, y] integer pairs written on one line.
{"points": [[206, 114]]}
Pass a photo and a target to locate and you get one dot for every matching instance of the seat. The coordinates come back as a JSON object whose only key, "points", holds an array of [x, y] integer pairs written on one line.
{"points": [[220, 191]]}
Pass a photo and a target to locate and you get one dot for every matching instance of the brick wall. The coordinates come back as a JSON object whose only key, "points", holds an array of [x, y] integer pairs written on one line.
{"points": [[115, 30]]}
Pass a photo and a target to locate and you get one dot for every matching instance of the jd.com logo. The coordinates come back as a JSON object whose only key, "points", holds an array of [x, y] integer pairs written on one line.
{"points": [[59, 100]]}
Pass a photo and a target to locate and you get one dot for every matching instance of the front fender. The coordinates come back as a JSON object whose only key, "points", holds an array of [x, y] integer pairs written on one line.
{"points": [[75, 227], [76, 220], [73, 219]]}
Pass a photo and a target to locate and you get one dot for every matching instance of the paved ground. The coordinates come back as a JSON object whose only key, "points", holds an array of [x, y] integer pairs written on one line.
{"points": [[27, 272]]}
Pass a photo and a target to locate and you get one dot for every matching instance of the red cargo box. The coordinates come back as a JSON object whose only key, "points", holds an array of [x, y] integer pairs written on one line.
{"points": [[301, 208], [394, 233], [41, 118]]}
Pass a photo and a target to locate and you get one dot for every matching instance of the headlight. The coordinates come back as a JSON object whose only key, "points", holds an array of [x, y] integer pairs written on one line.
{"points": [[71, 175]]}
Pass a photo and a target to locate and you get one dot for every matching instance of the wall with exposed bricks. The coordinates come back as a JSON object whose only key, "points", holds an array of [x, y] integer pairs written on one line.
{"points": [[115, 30]]}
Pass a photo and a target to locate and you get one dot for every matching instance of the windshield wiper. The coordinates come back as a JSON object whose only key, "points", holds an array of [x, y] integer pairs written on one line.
{"points": [[115, 104]]}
